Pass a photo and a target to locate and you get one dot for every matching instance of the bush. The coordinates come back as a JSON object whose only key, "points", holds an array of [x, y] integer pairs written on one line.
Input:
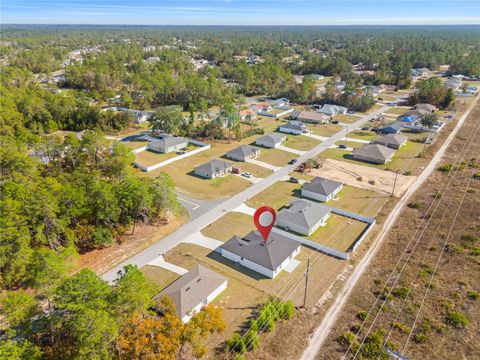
{"points": [[473, 295], [414, 205], [236, 344], [456, 319], [420, 337], [407, 172], [403, 328], [401, 292], [347, 338], [470, 238], [251, 340], [253, 324], [437, 195], [362, 315], [476, 176], [288, 309], [475, 251]]}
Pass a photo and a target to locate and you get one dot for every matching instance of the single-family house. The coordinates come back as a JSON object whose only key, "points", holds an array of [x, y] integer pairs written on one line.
{"points": [[261, 106], [393, 141], [453, 83], [243, 153], [167, 144], [194, 290], [268, 258], [311, 117], [428, 108], [392, 128], [332, 110], [213, 169], [293, 127], [280, 102], [247, 114], [272, 140], [321, 189], [303, 217], [374, 153]]}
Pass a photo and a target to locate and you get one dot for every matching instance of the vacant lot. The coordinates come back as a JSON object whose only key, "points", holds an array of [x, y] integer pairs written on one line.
{"points": [[300, 142], [268, 124], [149, 158], [326, 130], [339, 233], [397, 110], [363, 135], [276, 157], [361, 201], [278, 195], [256, 170], [352, 144], [230, 224], [160, 276], [346, 118]]}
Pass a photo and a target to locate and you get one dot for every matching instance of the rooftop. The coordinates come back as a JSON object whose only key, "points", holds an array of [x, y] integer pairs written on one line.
{"points": [[322, 186], [303, 213]]}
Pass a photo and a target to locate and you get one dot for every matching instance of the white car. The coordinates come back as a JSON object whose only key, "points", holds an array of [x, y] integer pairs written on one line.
{"points": [[247, 175]]}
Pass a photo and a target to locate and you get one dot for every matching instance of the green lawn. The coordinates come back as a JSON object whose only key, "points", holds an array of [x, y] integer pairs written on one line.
{"points": [[230, 224], [339, 233], [256, 170], [326, 130], [276, 157], [346, 118], [134, 144], [278, 195], [363, 135], [300, 142], [159, 276], [149, 158], [352, 144], [360, 201]]}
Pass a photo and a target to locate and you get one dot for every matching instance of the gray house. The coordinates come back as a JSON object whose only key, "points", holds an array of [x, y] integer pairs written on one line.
{"points": [[193, 290], [312, 117], [293, 127], [213, 169], [268, 258], [243, 152], [392, 141], [167, 144], [271, 140], [321, 189], [426, 107], [332, 110], [374, 153], [393, 128], [303, 217]]}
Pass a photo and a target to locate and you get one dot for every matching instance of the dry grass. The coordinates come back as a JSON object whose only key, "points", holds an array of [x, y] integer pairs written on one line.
{"points": [[230, 224], [278, 195], [326, 130], [276, 157], [159, 276], [299, 142], [360, 201], [346, 118], [149, 158], [397, 110]]}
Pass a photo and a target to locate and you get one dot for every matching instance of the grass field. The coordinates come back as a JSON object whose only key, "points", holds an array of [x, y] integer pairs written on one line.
{"points": [[352, 144], [268, 124], [134, 144], [339, 233], [363, 135], [149, 158], [299, 142], [230, 224], [360, 201], [397, 110], [160, 276], [276, 157], [326, 130], [278, 195], [346, 118], [256, 170]]}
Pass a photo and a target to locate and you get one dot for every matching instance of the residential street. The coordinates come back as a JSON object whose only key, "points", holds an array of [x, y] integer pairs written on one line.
{"points": [[226, 205]]}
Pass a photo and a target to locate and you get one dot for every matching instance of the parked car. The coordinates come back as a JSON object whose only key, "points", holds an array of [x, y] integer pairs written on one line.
{"points": [[236, 170], [351, 112], [392, 103], [181, 152], [247, 175], [293, 161], [293, 180], [365, 128], [342, 146], [334, 121]]}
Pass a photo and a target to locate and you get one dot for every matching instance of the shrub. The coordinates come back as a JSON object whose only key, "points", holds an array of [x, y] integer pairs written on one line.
{"points": [[470, 238], [456, 319], [473, 295], [401, 327], [407, 172], [356, 327], [446, 168], [288, 309], [425, 271], [236, 344], [401, 292], [362, 315], [347, 338], [253, 324], [420, 337], [475, 251], [251, 340], [437, 195], [476, 176], [414, 205]]}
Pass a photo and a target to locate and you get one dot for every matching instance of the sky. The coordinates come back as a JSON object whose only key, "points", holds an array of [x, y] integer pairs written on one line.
{"points": [[240, 12]]}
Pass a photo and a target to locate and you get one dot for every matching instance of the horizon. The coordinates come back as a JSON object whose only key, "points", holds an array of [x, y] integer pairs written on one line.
{"points": [[239, 13]]}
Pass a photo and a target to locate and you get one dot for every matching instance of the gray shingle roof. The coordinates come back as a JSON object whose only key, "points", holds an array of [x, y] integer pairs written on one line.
{"points": [[426, 107], [214, 166], [243, 150], [303, 213], [269, 254], [375, 151], [397, 125], [322, 186], [391, 139], [293, 125], [274, 137], [192, 288]]}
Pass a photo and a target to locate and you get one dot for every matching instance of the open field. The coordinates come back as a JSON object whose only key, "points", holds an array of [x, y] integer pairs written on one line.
{"points": [[149, 158], [339, 233], [363, 135], [326, 130], [278, 195], [346, 118], [397, 110], [361, 201], [276, 157], [230, 224], [300, 142]]}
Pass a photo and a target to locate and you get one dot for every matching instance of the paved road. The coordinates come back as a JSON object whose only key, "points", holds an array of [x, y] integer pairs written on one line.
{"points": [[228, 204], [322, 332]]}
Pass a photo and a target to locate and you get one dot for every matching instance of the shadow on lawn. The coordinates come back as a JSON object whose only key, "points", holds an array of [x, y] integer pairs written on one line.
{"points": [[233, 265]]}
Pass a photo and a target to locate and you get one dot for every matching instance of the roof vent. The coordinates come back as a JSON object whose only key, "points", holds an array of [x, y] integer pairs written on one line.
{"points": [[188, 288]]}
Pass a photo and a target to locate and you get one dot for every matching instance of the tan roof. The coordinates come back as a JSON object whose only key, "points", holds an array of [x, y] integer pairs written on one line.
{"points": [[312, 116], [374, 151]]}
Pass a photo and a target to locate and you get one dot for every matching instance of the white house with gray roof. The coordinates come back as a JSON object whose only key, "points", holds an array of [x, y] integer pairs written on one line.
{"points": [[213, 169], [168, 144], [194, 290], [268, 258], [374, 153], [243, 153], [303, 217], [272, 140], [392, 141], [321, 189], [293, 127], [332, 110]]}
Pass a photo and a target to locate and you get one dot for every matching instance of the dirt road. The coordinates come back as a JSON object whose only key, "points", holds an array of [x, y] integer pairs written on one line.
{"points": [[321, 333]]}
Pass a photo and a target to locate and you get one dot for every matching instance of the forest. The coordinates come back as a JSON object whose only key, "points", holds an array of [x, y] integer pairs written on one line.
{"points": [[61, 197]]}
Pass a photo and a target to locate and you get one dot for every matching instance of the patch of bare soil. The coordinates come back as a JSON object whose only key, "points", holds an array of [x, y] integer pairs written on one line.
{"points": [[128, 245]]}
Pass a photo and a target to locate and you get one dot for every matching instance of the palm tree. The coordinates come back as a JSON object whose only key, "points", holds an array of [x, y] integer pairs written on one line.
{"points": [[429, 120]]}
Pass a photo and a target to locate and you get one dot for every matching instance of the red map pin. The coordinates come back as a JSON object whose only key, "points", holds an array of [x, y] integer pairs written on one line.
{"points": [[264, 218]]}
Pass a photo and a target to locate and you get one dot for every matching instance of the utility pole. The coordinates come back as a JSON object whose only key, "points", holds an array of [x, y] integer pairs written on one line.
{"points": [[306, 283], [394, 184]]}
